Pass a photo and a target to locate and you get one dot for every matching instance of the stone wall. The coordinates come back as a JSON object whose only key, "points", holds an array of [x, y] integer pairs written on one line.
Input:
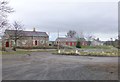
{"points": [[28, 42]]}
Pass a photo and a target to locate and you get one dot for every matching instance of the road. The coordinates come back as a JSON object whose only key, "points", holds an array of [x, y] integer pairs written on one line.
{"points": [[46, 66]]}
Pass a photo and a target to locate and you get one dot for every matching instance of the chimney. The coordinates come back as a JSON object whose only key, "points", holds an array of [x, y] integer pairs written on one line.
{"points": [[33, 29]]}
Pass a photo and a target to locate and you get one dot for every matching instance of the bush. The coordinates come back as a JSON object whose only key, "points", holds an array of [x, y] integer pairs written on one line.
{"points": [[74, 54], [78, 45]]}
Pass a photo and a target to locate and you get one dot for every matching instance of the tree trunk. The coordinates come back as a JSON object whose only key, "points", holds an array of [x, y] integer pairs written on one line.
{"points": [[3, 45], [14, 48]]}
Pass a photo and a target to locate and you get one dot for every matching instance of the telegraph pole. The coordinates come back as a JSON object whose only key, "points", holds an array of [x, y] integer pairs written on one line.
{"points": [[58, 42], [111, 41]]}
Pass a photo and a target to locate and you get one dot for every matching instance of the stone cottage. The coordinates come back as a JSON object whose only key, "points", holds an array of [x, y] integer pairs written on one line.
{"points": [[28, 39], [96, 42], [70, 41]]}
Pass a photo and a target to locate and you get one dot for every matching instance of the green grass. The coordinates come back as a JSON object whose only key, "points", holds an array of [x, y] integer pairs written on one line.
{"points": [[37, 50], [109, 52], [25, 51], [97, 47], [14, 52], [92, 47]]}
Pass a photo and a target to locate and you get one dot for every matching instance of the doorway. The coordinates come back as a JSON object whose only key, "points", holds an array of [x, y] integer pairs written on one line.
{"points": [[7, 44]]}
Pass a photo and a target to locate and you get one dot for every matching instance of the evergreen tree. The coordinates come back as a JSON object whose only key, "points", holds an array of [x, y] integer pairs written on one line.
{"points": [[78, 45]]}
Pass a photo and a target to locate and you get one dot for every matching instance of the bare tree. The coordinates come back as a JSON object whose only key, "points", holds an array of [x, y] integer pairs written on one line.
{"points": [[71, 34], [18, 32], [4, 11]]}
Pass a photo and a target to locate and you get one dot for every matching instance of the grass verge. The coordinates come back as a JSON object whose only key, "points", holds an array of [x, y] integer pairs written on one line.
{"points": [[14, 52], [110, 53], [25, 51]]}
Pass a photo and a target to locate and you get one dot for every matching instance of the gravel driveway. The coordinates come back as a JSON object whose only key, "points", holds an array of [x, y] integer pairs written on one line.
{"points": [[46, 66]]}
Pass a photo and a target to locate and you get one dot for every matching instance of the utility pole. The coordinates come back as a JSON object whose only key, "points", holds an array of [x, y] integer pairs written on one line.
{"points": [[111, 41], [58, 42]]}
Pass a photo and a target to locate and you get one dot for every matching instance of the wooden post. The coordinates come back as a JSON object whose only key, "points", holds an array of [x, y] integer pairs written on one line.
{"points": [[76, 51], [58, 51]]}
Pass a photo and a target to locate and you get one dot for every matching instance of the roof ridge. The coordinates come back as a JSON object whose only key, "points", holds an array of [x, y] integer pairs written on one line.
{"points": [[29, 33], [24, 31]]}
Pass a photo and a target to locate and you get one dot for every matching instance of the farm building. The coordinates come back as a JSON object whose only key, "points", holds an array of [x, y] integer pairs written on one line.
{"points": [[96, 42], [70, 41], [28, 39]]}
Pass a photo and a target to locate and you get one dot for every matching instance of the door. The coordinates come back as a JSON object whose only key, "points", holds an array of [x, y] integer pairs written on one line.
{"points": [[70, 43], [7, 44], [36, 42]]}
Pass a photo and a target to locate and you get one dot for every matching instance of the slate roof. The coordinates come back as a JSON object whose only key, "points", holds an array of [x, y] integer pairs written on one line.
{"points": [[69, 39], [26, 33]]}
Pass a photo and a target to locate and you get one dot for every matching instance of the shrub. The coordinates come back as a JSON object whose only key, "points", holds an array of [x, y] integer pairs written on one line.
{"points": [[78, 45]]}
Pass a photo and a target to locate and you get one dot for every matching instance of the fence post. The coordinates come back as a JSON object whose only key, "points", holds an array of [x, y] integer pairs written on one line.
{"points": [[59, 51], [76, 51]]}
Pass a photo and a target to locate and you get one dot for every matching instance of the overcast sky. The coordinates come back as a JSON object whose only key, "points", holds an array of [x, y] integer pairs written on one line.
{"points": [[96, 18]]}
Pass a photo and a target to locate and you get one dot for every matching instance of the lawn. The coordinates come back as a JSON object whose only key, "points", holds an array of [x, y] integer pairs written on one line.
{"points": [[14, 52], [97, 47], [89, 52], [25, 51], [102, 53], [84, 51]]}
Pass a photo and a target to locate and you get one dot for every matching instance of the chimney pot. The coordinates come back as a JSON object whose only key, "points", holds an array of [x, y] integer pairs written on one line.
{"points": [[34, 29]]}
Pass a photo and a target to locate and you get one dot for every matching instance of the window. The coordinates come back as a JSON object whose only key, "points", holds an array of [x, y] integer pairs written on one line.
{"points": [[36, 42], [41, 41], [12, 43]]}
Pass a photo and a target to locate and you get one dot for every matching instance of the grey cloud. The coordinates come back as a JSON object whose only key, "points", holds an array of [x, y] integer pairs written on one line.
{"points": [[87, 17]]}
